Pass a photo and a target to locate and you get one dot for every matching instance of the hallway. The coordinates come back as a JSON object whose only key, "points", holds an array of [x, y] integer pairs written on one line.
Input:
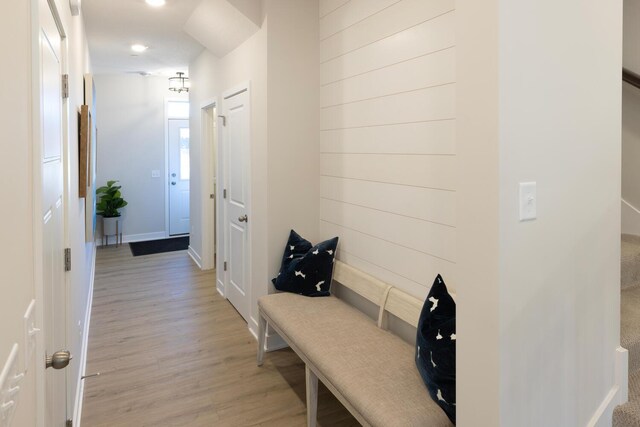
{"points": [[172, 352]]}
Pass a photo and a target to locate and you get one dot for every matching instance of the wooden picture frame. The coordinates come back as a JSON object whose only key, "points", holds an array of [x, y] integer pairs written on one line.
{"points": [[83, 150], [92, 159]]}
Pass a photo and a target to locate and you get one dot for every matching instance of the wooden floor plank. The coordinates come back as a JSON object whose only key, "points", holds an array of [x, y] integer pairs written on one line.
{"points": [[172, 352]]}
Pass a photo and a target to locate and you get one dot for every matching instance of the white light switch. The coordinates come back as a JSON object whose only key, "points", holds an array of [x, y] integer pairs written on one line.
{"points": [[528, 201], [155, 173]]}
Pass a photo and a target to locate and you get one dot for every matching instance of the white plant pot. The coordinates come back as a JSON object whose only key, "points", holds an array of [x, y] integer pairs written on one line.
{"points": [[109, 226]]}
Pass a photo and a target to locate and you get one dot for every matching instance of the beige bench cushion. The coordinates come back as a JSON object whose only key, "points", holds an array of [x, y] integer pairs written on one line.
{"points": [[372, 368]]}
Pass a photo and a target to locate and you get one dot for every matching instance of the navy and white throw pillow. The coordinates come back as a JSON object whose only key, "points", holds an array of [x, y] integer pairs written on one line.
{"points": [[306, 269], [436, 347]]}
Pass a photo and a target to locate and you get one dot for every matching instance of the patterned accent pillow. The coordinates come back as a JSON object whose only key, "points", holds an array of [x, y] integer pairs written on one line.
{"points": [[306, 270], [436, 347]]}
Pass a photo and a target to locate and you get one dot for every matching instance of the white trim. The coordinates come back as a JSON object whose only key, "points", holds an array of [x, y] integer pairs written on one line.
{"points": [[195, 257], [77, 407], [207, 173], [272, 342], [622, 374], [617, 395], [220, 287]]}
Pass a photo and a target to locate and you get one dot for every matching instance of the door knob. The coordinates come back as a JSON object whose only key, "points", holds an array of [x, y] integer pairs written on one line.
{"points": [[58, 360], [173, 183], [243, 218]]}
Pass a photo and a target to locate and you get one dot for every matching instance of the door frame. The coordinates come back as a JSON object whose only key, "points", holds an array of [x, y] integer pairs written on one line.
{"points": [[168, 117], [37, 7], [222, 183], [209, 171]]}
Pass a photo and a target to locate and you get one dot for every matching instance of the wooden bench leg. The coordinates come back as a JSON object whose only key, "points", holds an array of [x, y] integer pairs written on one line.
{"points": [[262, 334], [312, 397]]}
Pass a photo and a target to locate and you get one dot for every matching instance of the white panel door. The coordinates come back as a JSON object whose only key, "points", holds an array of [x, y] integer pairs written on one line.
{"points": [[179, 172], [52, 214], [236, 152]]}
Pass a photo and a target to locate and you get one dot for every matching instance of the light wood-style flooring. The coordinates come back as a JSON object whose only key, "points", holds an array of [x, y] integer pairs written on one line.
{"points": [[172, 352]]}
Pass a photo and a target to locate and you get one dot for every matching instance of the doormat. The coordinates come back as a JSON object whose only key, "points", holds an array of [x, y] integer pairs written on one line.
{"points": [[159, 246]]}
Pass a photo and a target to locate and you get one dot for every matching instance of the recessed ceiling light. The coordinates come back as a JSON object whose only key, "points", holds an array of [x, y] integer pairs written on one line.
{"points": [[156, 3], [138, 47]]}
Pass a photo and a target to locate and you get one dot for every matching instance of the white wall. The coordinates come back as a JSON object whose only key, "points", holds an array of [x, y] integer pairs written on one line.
{"points": [[284, 131], [293, 128], [546, 112], [387, 140], [16, 255], [131, 143]]}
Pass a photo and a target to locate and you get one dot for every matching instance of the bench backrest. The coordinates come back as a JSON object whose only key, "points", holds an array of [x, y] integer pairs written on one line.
{"points": [[390, 300]]}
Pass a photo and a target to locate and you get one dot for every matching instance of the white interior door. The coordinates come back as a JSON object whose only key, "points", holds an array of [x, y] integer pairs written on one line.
{"points": [[52, 214], [236, 165], [179, 172]]}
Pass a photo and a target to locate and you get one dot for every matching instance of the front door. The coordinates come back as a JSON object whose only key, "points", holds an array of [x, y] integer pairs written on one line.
{"points": [[178, 176], [52, 213], [236, 152]]}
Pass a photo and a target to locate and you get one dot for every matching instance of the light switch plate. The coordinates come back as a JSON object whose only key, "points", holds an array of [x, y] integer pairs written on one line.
{"points": [[528, 201], [155, 173], [30, 334]]}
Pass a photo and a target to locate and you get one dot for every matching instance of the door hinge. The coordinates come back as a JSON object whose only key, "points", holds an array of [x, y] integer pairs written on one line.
{"points": [[69, 423], [67, 259], [211, 196], [225, 266], [224, 193], [65, 86], [224, 120]]}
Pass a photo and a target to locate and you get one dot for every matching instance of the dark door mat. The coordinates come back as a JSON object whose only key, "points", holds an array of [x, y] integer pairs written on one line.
{"points": [[159, 246]]}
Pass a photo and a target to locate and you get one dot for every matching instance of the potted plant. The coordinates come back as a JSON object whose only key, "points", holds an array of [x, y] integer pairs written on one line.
{"points": [[109, 206]]}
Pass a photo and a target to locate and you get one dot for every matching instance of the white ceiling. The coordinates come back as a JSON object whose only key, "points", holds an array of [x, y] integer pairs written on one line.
{"points": [[112, 26]]}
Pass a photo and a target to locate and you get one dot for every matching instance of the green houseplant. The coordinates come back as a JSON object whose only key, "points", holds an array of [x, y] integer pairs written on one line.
{"points": [[109, 205]]}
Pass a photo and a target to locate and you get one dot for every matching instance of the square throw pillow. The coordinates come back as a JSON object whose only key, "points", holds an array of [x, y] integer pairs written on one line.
{"points": [[306, 269], [436, 347]]}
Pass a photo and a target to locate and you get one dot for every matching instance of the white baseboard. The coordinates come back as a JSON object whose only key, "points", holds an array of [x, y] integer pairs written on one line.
{"points": [[630, 219], [77, 407], [220, 288], [130, 238], [617, 395], [195, 257]]}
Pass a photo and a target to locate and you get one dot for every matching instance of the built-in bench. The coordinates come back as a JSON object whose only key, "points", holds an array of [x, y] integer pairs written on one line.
{"points": [[368, 368]]}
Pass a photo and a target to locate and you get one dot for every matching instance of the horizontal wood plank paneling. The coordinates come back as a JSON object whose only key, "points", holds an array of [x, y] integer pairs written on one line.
{"points": [[421, 72], [436, 103], [329, 6], [429, 37], [422, 203], [433, 239], [407, 138], [350, 14], [408, 263], [388, 138], [396, 18], [421, 171]]}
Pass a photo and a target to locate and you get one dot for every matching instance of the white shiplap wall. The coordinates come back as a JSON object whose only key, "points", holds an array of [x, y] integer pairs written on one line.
{"points": [[387, 139]]}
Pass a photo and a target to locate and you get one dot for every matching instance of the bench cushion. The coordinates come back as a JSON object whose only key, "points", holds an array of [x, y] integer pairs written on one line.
{"points": [[372, 368]]}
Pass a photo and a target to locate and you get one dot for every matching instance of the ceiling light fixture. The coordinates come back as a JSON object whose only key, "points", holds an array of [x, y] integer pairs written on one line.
{"points": [[179, 83], [139, 47], [156, 3]]}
